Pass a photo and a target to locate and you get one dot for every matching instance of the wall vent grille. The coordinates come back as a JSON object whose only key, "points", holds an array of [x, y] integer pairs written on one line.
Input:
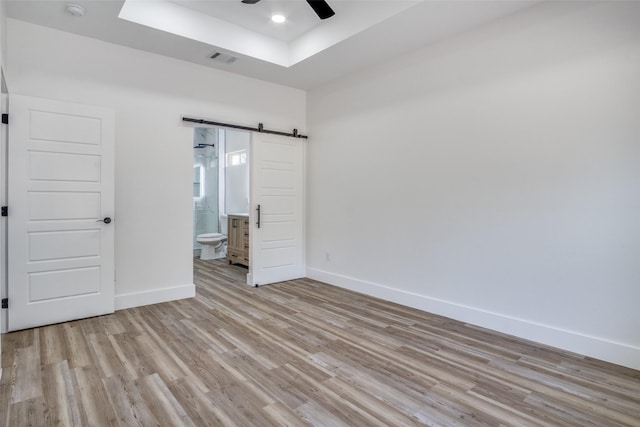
{"points": [[223, 57]]}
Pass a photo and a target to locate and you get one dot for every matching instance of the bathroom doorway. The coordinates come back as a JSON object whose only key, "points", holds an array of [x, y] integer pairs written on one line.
{"points": [[220, 187]]}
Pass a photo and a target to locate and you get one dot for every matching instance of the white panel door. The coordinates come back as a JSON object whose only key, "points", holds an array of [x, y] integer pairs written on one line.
{"points": [[60, 244], [277, 188]]}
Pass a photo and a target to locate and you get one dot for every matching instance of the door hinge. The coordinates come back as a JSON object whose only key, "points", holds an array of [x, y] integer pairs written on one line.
{"points": [[5, 302], [5, 119], [5, 211]]}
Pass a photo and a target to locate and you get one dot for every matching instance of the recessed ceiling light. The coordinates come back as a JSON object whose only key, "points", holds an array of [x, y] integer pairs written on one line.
{"points": [[75, 9], [278, 19]]}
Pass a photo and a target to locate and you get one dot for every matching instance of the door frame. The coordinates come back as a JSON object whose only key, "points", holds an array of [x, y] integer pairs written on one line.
{"points": [[4, 164], [252, 212]]}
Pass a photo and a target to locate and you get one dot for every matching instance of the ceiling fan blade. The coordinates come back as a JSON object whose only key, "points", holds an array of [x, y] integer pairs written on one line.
{"points": [[321, 8], [250, 1]]}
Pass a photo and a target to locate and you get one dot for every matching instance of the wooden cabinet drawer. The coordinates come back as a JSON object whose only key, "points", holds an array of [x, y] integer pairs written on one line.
{"points": [[238, 257], [238, 240]]}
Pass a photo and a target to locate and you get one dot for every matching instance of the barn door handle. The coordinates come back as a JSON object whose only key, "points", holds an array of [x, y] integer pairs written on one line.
{"points": [[106, 220], [258, 209]]}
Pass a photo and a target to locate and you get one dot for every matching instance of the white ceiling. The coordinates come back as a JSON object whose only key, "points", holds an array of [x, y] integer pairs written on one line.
{"points": [[257, 17], [246, 29], [305, 52]]}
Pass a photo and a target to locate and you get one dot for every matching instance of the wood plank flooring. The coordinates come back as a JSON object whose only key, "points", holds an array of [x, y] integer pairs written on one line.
{"points": [[294, 354]]}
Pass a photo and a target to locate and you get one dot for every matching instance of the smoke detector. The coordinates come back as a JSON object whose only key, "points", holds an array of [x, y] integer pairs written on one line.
{"points": [[223, 57], [75, 9]]}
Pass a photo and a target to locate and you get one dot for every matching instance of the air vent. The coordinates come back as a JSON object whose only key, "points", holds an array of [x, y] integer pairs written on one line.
{"points": [[223, 57]]}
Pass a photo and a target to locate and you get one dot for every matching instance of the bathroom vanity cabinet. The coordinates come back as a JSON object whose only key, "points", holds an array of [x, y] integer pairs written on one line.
{"points": [[238, 239]]}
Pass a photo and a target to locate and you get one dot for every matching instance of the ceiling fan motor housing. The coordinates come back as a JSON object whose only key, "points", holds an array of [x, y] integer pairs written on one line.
{"points": [[320, 7]]}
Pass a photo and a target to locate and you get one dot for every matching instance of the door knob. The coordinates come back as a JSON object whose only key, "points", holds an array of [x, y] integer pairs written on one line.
{"points": [[106, 220]]}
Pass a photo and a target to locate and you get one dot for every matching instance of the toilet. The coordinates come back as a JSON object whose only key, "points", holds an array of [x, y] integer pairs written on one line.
{"points": [[214, 245]]}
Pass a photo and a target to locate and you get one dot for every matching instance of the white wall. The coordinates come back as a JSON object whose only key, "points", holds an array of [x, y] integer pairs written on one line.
{"points": [[3, 33], [154, 151], [493, 178]]}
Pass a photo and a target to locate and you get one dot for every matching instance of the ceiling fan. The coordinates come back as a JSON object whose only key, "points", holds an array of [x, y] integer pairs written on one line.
{"points": [[320, 7]]}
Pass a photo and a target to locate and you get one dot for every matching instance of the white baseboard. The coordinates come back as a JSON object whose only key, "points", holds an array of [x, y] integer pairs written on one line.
{"points": [[137, 299], [596, 347]]}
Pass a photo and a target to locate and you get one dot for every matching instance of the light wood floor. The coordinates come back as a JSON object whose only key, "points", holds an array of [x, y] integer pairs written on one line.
{"points": [[298, 353]]}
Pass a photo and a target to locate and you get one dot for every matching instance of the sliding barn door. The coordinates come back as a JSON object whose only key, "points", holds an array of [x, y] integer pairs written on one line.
{"points": [[60, 199], [277, 203]]}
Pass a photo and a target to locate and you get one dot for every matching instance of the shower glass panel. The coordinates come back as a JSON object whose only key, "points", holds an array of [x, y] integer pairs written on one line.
{"points": [[205, 183]]}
